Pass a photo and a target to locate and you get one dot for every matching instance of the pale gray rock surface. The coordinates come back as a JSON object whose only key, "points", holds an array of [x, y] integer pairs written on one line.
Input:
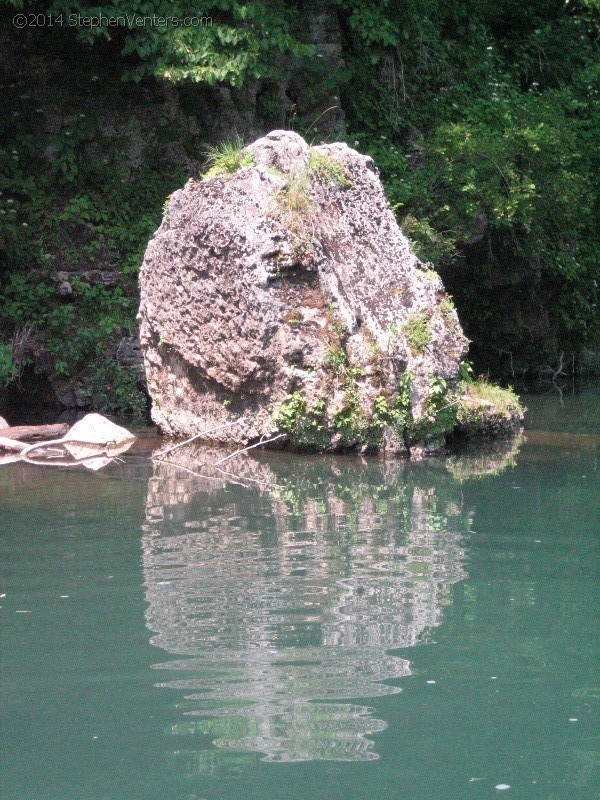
{"points": [[243, 299], [95, 435]]}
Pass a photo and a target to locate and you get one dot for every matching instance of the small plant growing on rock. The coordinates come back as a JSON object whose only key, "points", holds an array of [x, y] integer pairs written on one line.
{"points": [[165, 208], [417, 332], [448, 312], [305, 426], [303, 248], [294, 318], [323, 167], [437, 388], [395, 414], [465, 373], [296, 208], [505, 400], [227, 158], [439, 418], [431, 275], [294, 202], [391, 336], [485, 409]]}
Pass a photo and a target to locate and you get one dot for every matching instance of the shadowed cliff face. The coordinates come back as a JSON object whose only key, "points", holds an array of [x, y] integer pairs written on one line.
{"points": [[289, 276], [273, 598]]}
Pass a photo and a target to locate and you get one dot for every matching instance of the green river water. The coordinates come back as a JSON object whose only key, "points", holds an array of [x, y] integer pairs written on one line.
{"points": [[306, 627]]}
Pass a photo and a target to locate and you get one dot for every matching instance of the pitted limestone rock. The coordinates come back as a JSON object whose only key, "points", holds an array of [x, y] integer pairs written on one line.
{"points": [[255, 283]]}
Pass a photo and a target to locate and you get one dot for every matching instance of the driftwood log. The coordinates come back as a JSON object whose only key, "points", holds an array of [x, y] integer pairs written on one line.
{"points": [[33, 433]]}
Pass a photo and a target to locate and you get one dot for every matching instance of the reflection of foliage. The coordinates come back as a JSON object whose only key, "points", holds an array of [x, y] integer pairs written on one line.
{"points": [[485, 460]]}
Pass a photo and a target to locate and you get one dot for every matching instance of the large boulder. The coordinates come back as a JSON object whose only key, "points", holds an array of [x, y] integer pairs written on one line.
{"points": [[286, 293]]}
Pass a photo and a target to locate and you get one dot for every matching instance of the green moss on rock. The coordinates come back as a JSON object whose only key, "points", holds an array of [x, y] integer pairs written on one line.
{"points": [[485, 409]]}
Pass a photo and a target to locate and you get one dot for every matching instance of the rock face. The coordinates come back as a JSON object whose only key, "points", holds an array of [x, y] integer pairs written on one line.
{"points": [[287, 294]]}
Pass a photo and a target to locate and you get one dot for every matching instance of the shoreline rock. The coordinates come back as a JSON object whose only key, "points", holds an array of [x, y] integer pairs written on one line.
{"points": [[285, 292]]}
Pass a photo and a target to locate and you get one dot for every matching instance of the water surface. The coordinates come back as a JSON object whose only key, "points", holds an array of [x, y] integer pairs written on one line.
{"points": [[306, 627]]}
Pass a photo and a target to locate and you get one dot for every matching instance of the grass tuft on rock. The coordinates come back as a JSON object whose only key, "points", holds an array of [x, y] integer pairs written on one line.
{"points": [[227, 158], [326, 169], [293, 201]]}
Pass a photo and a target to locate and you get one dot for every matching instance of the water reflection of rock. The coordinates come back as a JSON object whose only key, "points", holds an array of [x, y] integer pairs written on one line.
{"points": [[285, 598]]}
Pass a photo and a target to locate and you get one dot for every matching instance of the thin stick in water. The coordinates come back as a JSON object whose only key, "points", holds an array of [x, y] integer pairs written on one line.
{"points": [[245, 449], [198, 436]]}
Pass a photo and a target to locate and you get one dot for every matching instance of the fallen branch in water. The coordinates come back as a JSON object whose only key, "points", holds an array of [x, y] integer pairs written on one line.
{"points": [[197, 436], [240, 478], [245, 449]]}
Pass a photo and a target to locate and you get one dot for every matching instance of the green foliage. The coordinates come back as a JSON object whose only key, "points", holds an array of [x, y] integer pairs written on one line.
{"points": [[294, 200], [427, 242], [312, 427], [483, 119], [504, 399], [481, 116], [227, 158], [303, 248], [72, 332], [73, 210], [465, 373], [62, 209], [485, 408], [305, 426], [326, 169], [76, 336], [397, 414], [448, 312], [8, 371], [114, 389], [437, 389], [439, 417], [417, 332], [214, 41]]}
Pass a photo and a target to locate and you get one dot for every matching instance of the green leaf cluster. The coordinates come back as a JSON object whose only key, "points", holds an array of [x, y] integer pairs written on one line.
{"points": [[483, 118]]}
